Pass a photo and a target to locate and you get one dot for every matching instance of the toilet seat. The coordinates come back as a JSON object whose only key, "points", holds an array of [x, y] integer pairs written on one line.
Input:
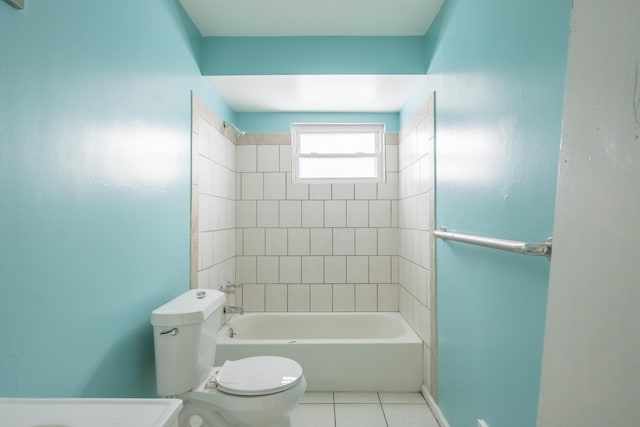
{"points": [[254, 376]]}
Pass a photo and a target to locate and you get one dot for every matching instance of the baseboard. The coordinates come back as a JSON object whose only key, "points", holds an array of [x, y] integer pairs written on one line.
{"points": [[435, 409]]}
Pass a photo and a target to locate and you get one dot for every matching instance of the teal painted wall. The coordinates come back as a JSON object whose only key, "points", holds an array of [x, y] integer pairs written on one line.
{"points": [[94, 189], [312, 55], [498, 70], [281, 122]]}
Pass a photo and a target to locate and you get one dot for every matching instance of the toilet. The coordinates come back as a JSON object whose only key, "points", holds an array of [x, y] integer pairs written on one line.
{"points": [[253, 392]]}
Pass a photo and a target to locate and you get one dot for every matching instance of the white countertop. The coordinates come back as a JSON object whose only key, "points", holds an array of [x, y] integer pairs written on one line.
{"points": [[19, 412]]}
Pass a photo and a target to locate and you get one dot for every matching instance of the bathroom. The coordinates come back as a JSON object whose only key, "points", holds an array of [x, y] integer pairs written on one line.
{"points": [[95, 134]]}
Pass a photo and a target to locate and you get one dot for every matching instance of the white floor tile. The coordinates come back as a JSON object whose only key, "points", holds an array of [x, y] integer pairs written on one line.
{"points": [[317, 397], [316, 415], [355, 415], [415, 398], [362, 409], [357, 397], [406, 415]]}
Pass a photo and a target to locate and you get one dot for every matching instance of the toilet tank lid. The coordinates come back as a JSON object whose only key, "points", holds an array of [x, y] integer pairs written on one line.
{"points": [[191, 307]]}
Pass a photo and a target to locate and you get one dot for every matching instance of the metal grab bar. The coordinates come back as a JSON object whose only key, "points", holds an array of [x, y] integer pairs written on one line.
{"points": [[533, 249]]}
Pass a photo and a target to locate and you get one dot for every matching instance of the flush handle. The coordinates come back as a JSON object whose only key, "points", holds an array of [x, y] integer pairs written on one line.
{"points": [[173, 331]]}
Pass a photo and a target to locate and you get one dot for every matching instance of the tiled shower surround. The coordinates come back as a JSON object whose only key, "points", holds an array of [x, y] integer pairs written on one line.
{"points": [[313, 247], [212, 201], [316, 247], [416, 245]]}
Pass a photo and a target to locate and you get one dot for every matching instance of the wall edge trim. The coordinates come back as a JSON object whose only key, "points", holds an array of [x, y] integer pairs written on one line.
{"points": [[435, 409]]}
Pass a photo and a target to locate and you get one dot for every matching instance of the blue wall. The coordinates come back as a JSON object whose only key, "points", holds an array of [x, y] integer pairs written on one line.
{"points": [[312, 55], [94, 189], [498, 70], [281, 122]]}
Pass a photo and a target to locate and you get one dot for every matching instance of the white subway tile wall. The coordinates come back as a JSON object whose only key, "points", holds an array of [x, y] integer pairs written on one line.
{"points": [[358, 270], [298, 242], [344, 297], [415, 242], [321, 241], [319, 191], [312, 214], [357, 211], [298, 297], [275, 186], [276, 297], [335, 213], [367, 241], [322, 297], [268, 213], [214, 203], [290, 213], [317, 247], [276, 241], [267, 269], [268, 158], [314, 247], [312, 269], [285, 158]]}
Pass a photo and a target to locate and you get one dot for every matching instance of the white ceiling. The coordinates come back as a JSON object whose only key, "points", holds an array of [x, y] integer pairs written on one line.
{"points": [[343, 93], [317, 93], [312, 17]]}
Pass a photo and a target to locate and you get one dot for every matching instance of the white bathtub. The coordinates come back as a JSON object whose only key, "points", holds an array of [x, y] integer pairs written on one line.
{"points": [[337, 351]]}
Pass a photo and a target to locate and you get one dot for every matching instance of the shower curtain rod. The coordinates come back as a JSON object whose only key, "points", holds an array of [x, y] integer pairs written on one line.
{"points": [[525, 248]]}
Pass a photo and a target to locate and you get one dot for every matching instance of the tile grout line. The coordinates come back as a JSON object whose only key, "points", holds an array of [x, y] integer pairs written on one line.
{"points": [[382, 408], [333, 395]]}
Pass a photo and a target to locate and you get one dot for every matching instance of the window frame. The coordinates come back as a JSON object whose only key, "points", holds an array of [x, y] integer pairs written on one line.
{"points": [[378, 129]]}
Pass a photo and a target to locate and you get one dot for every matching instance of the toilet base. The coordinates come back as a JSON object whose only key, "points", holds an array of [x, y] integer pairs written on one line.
{"points": [[213, 408], [194, 414]]}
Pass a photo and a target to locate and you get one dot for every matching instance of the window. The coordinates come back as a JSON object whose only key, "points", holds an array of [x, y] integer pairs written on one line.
{"points": [[338, 153]]}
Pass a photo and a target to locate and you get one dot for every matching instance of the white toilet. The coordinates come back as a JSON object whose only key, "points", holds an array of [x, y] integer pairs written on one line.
{"points": [[256, 391]]}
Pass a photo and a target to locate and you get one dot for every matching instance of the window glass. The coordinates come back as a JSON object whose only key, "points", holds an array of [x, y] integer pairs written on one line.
{"points": [[338, 143], [338, 152]]}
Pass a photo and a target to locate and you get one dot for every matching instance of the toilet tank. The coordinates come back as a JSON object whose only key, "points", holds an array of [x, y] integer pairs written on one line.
{"points": [[184, 337]]}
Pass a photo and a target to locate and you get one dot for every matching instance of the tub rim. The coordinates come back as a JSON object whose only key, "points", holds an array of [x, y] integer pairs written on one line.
{"points": [[408, 336]]}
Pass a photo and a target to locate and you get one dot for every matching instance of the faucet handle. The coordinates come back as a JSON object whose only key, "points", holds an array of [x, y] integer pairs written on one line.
{"points": [[229, 288]]}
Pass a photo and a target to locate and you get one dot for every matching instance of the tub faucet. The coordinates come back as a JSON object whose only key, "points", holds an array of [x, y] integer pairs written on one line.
{"points": [[228, 309], [229, 288]]}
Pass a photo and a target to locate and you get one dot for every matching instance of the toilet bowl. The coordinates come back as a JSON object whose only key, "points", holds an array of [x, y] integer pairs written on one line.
{"points": [[254, 392], [257, 391]]}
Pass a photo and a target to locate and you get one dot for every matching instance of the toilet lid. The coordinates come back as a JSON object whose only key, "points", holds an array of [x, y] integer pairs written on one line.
{"points": [[258, 375]]}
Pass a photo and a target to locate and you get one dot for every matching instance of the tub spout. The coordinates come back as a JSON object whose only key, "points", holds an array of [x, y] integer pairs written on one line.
{"points": [[233, 309]]}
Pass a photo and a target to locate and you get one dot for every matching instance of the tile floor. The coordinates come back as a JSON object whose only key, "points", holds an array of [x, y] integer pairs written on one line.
{"points": [[342, 409]]}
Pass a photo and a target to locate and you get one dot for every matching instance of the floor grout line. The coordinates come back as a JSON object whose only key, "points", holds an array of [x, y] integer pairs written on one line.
{"points": [[384, 414], [386, 421], [335, 418]]}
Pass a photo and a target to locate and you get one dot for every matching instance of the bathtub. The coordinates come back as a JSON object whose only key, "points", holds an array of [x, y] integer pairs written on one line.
{"points": [[337, 351]]}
